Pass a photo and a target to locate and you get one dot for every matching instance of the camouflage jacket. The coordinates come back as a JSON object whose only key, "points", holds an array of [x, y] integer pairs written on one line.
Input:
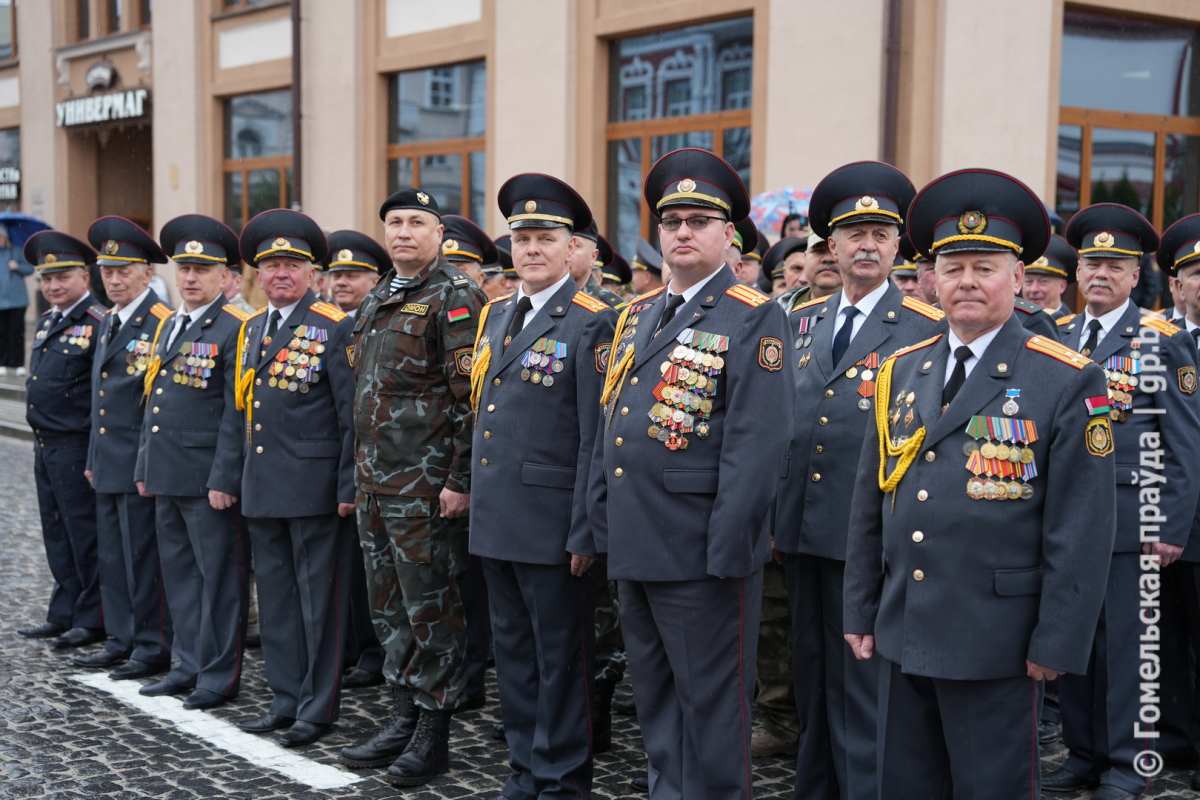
{"points": [[610, 297], [412, 366]]}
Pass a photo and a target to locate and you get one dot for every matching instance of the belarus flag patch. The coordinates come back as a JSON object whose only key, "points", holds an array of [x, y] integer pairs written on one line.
{"points": [[459, 313], [1096, 405]]}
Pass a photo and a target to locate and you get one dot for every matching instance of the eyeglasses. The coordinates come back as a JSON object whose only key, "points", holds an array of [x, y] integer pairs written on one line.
{"points": [[697, 223]]}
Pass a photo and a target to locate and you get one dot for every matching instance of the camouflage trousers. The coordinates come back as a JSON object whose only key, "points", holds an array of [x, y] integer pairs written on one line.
{"points": [[610, 648], [414, 559], [776, 699]]}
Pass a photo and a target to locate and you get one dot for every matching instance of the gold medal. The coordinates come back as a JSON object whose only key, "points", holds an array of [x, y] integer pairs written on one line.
{"points": [[130, 370], [988, 450], [272, 382], [1001, 452], [707, 359], [536, 377], [1014, 491], [718, 363], [652, 431], [1026, 455], [852, 372], [177, 377], [525, 373]]}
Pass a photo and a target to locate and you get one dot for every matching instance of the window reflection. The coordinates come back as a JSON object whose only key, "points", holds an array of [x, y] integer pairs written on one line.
{"points": [[1070, 155], [1123, 168], [440, 103], [625, 194], [1181, 177], [258, 125]]}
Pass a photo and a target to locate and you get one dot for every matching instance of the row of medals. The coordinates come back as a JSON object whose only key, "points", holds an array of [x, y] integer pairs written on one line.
{"points": [[138, 358], [1119, 386], [542, 365], [81, 341], [685, 397], [181, 366], [295, 367]]}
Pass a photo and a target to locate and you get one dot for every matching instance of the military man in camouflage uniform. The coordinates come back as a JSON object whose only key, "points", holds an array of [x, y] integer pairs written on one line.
{"points": [[413, 338]]}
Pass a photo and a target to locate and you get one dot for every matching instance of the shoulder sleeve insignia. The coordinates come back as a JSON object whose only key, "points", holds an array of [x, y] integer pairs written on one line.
{"points": [[648, 295], [1160, 325], [1187, 380], [590, 303], [1057, 350], [923, 308], [464, 359], [1099, 436], [160, 310], [350, 355], [1064, 320], [499, 299], [770, 354], [329, 311], [749, 296], [918, 346], [603, 351], [235, 312]]}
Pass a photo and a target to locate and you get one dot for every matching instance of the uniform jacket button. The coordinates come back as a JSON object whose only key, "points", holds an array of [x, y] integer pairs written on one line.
{"points": [[102, 431], [154, 429], [922, 495], [483, 462], [633, 381], [624, 411], [619, 441], [918, 537], [258, 449], [918, 575], [816, 477], [829, 392], [930, 455], [487, 434], [102, 374], [823, 421], [618, 472], [497, 382], [492, 407]]}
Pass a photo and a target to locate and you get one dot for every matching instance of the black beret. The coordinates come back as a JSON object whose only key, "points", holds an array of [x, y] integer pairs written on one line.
{"points": [[283, 232], [694, 177], [1111, 229], [52, 251], [864, 191], [1180, 245], [464, 241], [119, 242], [199, 239], [351, 250], [410, 198]]}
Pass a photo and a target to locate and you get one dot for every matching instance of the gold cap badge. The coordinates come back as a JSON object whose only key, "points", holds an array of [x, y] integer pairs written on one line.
{"points": [[111, 247], [530, 207], [423, 198], [1104, 239], [1196, 249], [193, 247], [281, 242], [687, 185], [1041, 262], [972, 222], [49, 259], [345, 255], [448, 245], [866, 203]]}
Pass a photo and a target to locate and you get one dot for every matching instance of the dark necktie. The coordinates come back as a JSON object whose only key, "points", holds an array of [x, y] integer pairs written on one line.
{"points": [[1196, 337], [187, 320], [524, 306], [958, 376], [272, 327], [55, 318], [841, 342], [674, 301], [115, 329], [1093, 337]]}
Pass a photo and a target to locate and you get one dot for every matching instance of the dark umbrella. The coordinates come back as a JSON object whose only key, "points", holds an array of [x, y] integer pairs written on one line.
{"points": [[21, 227]]}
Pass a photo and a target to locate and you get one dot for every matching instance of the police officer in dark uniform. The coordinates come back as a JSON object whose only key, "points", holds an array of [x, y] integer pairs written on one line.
{"points": [[745, 239], [615, 272], [904, 275], [647, 268], [296, 387], [135, 608], [538, 371], [58, 392], [190, 461], [504, 248], [1151, 370], [683, 477], [1047, 278], [776, 264], [353, 264], [837, 344], [970, 601]]}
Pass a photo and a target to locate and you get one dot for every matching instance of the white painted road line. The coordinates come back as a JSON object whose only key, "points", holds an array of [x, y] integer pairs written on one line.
{"points": [[223, 735]]}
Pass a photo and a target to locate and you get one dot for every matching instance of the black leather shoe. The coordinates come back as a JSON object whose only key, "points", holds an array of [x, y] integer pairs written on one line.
{"points": [[624, 706], [498, 732], [1196, 781], [1106, 792], [78, 637], [428, 753], [1047, 733], [471, 704], [163, 688], [133, 668], [99, 659], [47, 630], [602, 716], [302, 733], [253, 639], [265, 724], [203, 698], [361, 679], [1062, 781], [641, 783], [390, 743]]}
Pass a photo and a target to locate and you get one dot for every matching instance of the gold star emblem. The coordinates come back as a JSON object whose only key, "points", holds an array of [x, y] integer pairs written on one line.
{"points": [[194, 247], [687, 185], [1041, 262]]}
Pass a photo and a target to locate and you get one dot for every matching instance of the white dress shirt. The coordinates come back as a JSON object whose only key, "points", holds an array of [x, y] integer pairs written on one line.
{"points": [[1107, 322], [978, 348], [865, 306], [541, 298]]}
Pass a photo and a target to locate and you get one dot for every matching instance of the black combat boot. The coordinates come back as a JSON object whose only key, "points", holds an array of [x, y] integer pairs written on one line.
{"points": [[386, 746], [428, 754], [602, 716]]}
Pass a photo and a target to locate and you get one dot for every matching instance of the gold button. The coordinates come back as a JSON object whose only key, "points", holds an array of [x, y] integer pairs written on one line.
{"points": [[35, 377], [102, 431], [829, 392], [918, 575], [102, 393], [624, 411], [497, 381], [155, 409], [256, 403], [258, 426], [816, 477], [487, 434], [620, 441], [258, 382], [930, 455], [102, 374], [258, 449], [492, 407], [633, 381], [163, 373], [483, 462], [158, 390], [820, 449], [922, 495], [823, 421], [918, 537], [618, 472], [154, 429], [101, 410]]}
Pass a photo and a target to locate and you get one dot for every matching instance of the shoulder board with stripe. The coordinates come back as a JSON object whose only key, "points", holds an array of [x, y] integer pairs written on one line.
{"points": [[912, 347], [1057, 350], [1021, 304], [500, 298], [328, 310], [809, 304], [749, 296], [923, 308], [590, 303], [235, 312], [258, 313], [98, 311], [648, 295], [1065, 320], [110, 311], [1161, 325], [160, 310], [461, 280]]}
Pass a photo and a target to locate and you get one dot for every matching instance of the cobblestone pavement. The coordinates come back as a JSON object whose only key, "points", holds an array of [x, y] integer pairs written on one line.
{"points": [[60, 739]]}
